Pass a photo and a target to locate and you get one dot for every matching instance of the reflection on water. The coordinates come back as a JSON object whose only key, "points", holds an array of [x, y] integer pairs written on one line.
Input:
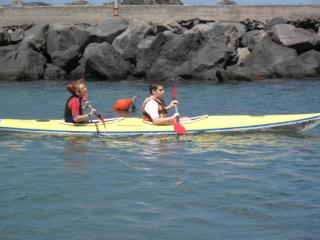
{"points": [[150, 152], [74, 152]]}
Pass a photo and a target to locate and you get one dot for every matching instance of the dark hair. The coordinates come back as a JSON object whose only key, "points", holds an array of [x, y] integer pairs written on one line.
{"points": [[154, 86]]}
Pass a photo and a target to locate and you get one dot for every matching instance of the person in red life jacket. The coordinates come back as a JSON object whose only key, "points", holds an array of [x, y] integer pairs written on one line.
{"points": [[73, 109], [154, 109]]}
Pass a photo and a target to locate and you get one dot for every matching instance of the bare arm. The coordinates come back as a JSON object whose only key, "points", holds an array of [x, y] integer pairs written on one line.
{"points": [[165, 121], [83, 117]]}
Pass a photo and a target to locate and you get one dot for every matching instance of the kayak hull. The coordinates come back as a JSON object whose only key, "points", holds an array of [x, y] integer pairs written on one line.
{"points": [[136, 126]]}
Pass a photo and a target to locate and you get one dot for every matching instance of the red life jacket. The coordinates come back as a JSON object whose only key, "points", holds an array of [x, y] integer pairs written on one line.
{"points": [[161, 109]]}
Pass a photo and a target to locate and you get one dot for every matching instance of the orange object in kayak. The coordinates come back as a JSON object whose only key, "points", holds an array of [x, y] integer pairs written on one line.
{"points": [[122, 104]]}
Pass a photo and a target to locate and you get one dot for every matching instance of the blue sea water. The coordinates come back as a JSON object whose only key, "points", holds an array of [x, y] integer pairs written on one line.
{"points": [[210, 186]]}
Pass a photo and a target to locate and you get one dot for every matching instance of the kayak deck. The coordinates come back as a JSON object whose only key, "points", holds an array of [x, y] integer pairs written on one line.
{"points": [[136, 126]]}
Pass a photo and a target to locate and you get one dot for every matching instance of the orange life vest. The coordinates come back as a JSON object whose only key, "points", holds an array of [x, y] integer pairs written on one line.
{"points": [[161, 109]]}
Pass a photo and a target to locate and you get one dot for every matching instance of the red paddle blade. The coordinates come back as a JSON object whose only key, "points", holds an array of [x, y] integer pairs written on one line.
{"points": [[179, 129], [174, 92]]}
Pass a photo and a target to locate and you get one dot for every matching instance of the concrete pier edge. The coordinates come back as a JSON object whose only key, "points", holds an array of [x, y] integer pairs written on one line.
{"points": [[92, 14]]}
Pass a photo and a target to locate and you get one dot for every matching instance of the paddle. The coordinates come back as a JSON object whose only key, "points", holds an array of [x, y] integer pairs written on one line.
{"points": [[99, 116], [177, 125]]}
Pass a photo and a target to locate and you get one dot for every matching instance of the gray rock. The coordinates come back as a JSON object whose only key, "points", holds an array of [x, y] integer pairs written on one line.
{"points": [[318, 41], [148, 51], [21, 62], [208, 57], [174, 57], [36, 37], [15, 36], [258, 64], [65, 45], [252, 25], [305, 65], [250, 39], [275, 21], [80, 70], [169, 25], [53, 72], [108, 30], [221, 34], [11, 36], [4, 37], [189, 24], [198, 53], [103, 62], [229, 30], [278, 20], [126, 43], [297, 38], [68, 58], [267, 53], [222, 40]]}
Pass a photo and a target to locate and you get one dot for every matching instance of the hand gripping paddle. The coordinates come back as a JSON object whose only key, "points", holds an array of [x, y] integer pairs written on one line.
{"points": [[178, 128], [99, 116]]}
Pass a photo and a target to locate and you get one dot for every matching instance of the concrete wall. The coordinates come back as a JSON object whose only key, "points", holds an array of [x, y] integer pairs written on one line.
{"points": [[92, 14]]}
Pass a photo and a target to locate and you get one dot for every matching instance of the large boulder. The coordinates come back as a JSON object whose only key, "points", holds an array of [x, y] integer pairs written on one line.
{"points": [[252, 25], [11, 36], [36, 38], [289, 36], [80, 70], [250, 39], [304, 65], [169, 25], [65, 44], [15, 35], [174, 56], [21, 62], [219, 48], [148, 51], [198, 53], [53, 72], [274, 21], [258, 64], [126, 43], [108, 30], [190, 23], [268, 53], [306, 23], [4, 37], [103, 62], [225, 34]]}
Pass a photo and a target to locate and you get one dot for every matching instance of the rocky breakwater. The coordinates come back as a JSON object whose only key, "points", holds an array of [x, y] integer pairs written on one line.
{"points": [[118, 49]]}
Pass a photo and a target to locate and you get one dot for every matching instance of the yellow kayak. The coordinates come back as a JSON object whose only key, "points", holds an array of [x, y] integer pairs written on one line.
{"points": [[136, 126]]}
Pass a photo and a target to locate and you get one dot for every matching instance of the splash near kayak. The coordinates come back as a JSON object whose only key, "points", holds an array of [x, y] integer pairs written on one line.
{"points": [[136, 126], [124, 104]]}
